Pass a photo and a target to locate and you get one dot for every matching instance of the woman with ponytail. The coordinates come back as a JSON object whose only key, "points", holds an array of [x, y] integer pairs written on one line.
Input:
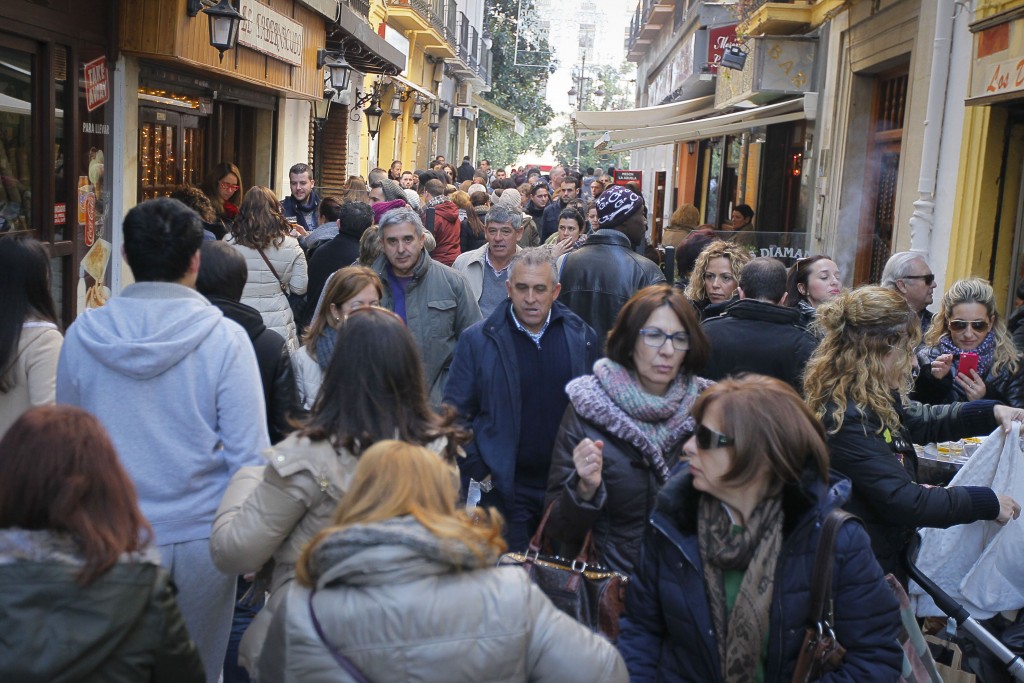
{"points": [[857, 383]]}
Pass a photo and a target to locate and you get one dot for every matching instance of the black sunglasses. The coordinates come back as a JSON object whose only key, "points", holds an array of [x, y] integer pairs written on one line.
{"points": [[928, 279], [961, 325], [708, 438]]}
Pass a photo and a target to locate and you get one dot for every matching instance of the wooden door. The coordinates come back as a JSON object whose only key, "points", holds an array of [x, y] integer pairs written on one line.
{"points": [[885, 135]]}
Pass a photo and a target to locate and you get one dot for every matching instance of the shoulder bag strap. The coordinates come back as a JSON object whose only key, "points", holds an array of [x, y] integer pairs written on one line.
{"points": [[343, 661], [284, 287], [821, 583]]}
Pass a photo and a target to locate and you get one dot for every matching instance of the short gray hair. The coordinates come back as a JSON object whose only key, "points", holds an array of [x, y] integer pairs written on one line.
{"points": [[400, 215], [898, 267], [500, 214], [534, 256]]}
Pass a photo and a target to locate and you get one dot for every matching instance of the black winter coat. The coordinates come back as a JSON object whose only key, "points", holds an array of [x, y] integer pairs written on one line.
{"points": [[883, 469], [338, 252], [600, 277], [275, 363], [124, 627], [668, 634], [1001, 386], [782, 345]]}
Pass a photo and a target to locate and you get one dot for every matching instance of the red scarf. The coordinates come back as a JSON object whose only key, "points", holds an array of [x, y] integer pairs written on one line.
{"points": [[230, 210]]}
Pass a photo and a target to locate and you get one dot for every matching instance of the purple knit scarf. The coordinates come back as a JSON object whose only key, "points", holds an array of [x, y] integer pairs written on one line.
{"points": [[612, 398]]}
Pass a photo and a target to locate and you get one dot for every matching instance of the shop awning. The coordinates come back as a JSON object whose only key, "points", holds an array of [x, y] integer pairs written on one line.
{"points": [[644, 117], [418, 88], [366, 51], [494, 110], [714, 126]]}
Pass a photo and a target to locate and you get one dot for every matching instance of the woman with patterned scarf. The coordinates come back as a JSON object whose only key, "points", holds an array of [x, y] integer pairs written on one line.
{"points": [[625, 425], [722, 590], [346, 290], [969, 322]]}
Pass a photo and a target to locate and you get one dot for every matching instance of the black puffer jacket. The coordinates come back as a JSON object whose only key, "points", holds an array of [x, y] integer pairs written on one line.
{"points": [[883, 469], [125, 626], [275, 363], [782, 345], [600, 277], [1002, 386]]}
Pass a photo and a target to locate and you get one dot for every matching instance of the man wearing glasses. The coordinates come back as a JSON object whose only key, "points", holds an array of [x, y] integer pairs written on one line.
{"points": [[909, 274]]}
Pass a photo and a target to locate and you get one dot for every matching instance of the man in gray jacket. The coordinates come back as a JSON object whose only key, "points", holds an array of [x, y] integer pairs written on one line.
{"points": [[432, 299], [486, 269]]}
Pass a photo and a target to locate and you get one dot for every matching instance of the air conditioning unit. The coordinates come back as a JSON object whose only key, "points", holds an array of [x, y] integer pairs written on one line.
{"points": [[467, 113]]}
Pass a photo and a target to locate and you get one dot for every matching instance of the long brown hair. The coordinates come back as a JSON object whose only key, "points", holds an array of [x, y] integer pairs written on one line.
{"points": [[374, 389], [394, 479], [463, 201], [260, 223], [344, 285], [211, 186], [771, 427], [61, 473]]}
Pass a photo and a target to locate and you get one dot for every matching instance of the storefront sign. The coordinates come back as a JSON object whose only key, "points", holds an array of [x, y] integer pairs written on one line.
{"points": [[718, 38], [775, 66], [97, 84], [998, 67], [270, 32], [623, 177]]}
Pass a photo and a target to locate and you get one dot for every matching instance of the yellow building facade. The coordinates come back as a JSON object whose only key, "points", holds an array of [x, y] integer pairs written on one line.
{"points": [[987, 231]]}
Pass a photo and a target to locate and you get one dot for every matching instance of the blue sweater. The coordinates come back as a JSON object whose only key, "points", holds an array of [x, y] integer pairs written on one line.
{"points": [[177, 386]]}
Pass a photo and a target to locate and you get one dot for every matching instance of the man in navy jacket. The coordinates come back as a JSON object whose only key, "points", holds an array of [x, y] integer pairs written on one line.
{"points": [[507, 382]]}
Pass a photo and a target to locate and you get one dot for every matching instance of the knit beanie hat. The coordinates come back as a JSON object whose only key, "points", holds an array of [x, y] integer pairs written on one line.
{"points": [[511, 200], [392, 190], [616, 204], [381, 208], [412, 198]]}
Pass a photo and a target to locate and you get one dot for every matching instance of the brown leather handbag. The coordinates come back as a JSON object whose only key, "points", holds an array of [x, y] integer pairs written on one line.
{"points": [[820, 651], [588, 592]]}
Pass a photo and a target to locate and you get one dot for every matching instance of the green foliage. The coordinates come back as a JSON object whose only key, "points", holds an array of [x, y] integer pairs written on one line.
{"points": [[618, 89], [518, 89]]}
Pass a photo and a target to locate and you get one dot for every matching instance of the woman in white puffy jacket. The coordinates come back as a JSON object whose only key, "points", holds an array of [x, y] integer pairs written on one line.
{"points": [[346, 290], [277, 264]]}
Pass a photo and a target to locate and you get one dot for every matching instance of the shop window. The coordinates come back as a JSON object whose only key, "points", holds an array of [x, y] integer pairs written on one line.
{"points": [[16, 132]]}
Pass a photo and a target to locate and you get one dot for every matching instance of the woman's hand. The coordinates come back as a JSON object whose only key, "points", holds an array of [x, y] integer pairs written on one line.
{"points": [[1008, 509], [1006, 416], [562, 246], [587, 457], [973, 386], [941, 365]]}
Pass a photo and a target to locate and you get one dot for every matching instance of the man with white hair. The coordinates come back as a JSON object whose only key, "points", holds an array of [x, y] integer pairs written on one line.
{"points": [[908, 273]]}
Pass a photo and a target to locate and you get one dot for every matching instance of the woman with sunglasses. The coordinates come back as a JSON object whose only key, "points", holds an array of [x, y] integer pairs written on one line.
{"points": [[857, 383], [721, 592], [968, 323], [624, 428], [223, 185]]}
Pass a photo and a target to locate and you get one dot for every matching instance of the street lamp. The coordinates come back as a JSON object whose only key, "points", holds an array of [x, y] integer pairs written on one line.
{"points": [[224, 22], [373, 112], [338, 70]]}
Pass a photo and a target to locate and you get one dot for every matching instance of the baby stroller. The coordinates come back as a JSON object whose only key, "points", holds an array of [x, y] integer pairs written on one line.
{"points": [[990, 659]]}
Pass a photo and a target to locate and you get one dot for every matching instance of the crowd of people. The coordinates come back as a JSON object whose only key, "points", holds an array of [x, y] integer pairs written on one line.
{"points": [[300, 441]]}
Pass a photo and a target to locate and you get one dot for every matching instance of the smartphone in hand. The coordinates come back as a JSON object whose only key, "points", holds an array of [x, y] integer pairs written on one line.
{"points": [[968, 363]]}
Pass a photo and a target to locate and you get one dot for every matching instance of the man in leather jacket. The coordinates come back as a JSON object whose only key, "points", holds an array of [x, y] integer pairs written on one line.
{"points": [[599, 277]]}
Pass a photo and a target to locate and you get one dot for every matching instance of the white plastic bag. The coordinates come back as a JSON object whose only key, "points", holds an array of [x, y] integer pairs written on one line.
{"points": [[980, 565]]}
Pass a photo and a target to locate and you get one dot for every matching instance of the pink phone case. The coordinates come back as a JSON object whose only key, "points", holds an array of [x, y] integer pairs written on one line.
{"points": [[968, 362]]}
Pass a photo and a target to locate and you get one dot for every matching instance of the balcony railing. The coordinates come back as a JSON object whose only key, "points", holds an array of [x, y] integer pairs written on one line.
{"points": [[642, 15], [438, 13], [360, 6]]}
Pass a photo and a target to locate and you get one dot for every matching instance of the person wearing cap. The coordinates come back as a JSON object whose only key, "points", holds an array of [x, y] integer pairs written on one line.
{"points": [[599, 277]]}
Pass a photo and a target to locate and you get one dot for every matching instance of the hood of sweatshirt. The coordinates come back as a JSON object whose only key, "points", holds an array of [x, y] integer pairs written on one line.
{"points": [[149, 329]]}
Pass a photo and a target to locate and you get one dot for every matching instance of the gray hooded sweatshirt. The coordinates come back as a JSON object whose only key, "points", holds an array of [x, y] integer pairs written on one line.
{"points": [[177, 386]]}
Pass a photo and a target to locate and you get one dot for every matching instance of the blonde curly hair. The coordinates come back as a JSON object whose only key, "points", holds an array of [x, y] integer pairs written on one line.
{"points": [[737, 255], [861, 328], [976, 291]]}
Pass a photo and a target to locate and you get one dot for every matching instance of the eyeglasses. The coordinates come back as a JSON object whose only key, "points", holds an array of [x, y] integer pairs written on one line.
{"points": [[928, 279], [708, 438], [655, 338], [229, 186], [976, 325]]}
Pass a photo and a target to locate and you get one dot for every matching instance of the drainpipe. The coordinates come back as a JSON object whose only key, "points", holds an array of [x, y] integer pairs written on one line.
{"points": [[923, 219]]}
